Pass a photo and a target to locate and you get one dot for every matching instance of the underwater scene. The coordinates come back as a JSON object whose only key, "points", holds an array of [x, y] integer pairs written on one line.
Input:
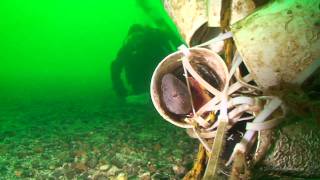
{"points": [[67, 109], [159, 90]]}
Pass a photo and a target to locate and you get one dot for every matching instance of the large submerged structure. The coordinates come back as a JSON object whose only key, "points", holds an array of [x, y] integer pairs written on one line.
{"points": [[241, 84]]}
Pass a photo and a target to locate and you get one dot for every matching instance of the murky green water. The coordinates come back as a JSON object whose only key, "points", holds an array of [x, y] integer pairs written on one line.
{"points": [[58, 50]]}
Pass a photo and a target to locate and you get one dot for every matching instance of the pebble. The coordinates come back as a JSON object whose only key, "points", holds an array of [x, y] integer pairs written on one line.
{"points": [[122, 176], [70, 173], [79, 167], [123, 158], [91, 163], [27, 173], [157, 176], [83, 176], [52, 167], [113, 171], [104, 167], [179, 170], [58, 173], [145, 176], [100, 177]]}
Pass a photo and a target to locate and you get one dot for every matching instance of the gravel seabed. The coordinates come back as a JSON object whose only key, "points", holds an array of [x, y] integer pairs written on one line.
{"points": [[91, 141]]}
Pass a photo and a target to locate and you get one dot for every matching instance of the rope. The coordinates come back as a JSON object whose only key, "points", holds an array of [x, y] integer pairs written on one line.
{"points": [[231, 107], [222, 101]]}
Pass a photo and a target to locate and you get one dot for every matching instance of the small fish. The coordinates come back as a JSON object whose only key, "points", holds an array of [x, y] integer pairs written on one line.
{"points": [[175, 95]]}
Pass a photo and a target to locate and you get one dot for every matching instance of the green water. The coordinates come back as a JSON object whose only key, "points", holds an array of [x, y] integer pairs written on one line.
{"points": [[53, 50], [60, 117]]}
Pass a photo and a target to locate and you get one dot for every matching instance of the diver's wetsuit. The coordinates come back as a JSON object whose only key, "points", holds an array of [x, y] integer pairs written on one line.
{"points": [[143, 49]]}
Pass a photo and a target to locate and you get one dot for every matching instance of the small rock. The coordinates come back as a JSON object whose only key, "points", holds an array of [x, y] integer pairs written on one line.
{"points": [[79, 167], [35, 164], [145, 176], [179, 170], [122, 176], [25, 173], [91, 163], [104, 167], [70, 173], [83, 176], [45, 156], [113, 171], [157, 147], [158, 176], [52, 167], [38, 149], [116, 160], [131, 170], [58, 173], [101, 176], [18, 173], [152, 168]]}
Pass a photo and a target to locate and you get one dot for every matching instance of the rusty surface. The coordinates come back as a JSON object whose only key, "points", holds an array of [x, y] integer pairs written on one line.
{"points": [[199, 165]]}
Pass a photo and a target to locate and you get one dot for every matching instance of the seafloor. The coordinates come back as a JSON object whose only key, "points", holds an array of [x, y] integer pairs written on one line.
{"points": [[91, 141]]}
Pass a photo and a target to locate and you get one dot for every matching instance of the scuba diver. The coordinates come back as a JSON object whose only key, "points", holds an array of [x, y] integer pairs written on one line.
{"points": [[144, 47]]}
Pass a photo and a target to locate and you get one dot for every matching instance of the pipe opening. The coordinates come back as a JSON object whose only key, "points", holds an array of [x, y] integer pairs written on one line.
{"points": [[204, 34]]}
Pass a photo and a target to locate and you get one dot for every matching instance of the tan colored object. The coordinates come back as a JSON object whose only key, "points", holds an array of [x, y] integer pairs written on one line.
{"points": [[240, 9], [170, 64], [191, 16], [199, 165], [280, 41]]}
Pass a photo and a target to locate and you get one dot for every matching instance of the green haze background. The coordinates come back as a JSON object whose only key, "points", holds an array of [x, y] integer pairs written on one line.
{"points": [[62, 50]]}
